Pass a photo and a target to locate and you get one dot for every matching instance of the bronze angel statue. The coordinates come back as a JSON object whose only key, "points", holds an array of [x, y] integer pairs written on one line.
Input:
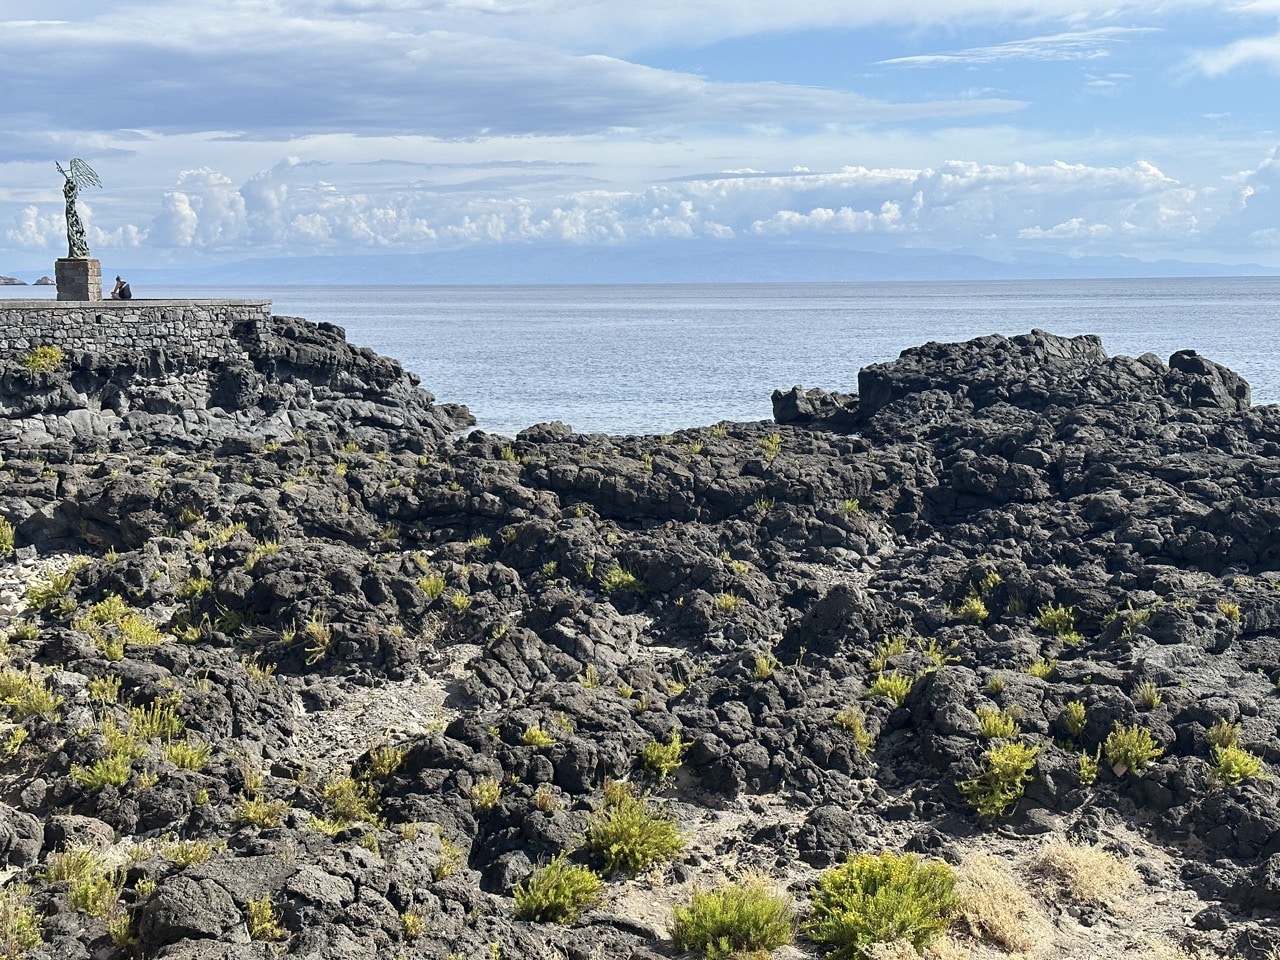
{"points": [[79, 175]]}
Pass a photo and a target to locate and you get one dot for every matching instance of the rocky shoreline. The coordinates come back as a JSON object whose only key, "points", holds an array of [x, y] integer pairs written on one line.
{"points": [[282, 637]]}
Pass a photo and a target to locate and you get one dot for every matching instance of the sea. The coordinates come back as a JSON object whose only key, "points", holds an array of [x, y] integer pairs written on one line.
{"points": [[653, 359]]}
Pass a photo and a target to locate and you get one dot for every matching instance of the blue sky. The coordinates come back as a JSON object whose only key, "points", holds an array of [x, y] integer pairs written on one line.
{"points": [[230, 129]]}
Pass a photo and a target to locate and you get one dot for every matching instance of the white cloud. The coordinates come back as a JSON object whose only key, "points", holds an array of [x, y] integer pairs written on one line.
{"points": [[1265, 50], [1072, 45]]}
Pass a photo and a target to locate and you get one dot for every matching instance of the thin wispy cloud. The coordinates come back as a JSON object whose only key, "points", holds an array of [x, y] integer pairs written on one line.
{"points": [[1073, 45]]}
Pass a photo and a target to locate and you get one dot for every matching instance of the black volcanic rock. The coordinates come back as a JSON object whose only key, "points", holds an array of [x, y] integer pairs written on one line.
{"points": [[415, 657]]}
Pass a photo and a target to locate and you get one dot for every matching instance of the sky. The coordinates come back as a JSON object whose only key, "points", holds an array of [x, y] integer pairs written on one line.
{"points": [[233, 129]]}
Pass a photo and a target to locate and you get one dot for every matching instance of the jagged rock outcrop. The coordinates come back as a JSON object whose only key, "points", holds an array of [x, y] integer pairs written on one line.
{"points": [[413, 658]]}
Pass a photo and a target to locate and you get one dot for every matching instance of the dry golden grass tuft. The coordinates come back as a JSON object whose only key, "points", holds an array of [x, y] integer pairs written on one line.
{"points": [[1088, 873], [944, 948], [995, 907]]}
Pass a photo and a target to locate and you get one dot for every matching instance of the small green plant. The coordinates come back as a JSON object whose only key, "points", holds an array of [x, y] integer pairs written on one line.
{"points": [[1006, 769], [262, 920], [384, 761], [850, 505], [725, 602], [1147, 695], [114, 769], [892, 685], [1234, 764], [351, 801], [485, 793], [432, 585], [663, 759], [771, 446], [187, 754], [1074, 718], [50, 595], [183, 853], [590, 676], [888, 648], [1059, 621], [1087, 767], [261, 812], [974, 609], [461, 602], [557, 893], [450, 859], [43, 359], [1223, 734], [24, 695], [266, 548], [734, 920], [1130, 749], [852, 719], [994, 723], [1231, 610], [1042, 669], [995, 683], [19, 922], [106, 688], [764, 665], [615, 579], [536, 736], [629, 834], [158, 721], [320, 638], [6, 537], [880, 898], [413, 924]]}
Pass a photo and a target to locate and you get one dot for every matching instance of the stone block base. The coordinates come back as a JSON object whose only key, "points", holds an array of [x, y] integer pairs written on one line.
{"points": [[78, 279]]}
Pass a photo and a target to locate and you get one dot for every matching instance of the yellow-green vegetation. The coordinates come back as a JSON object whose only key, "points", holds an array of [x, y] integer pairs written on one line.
{"points": [[1006, 769], [106, 688], [43, 359], [1234, 764], [485, 793], [974, 609], [1059, 621], [461, 602], [725, 602], [260, 811], [733, 920], [765, 664], [111, 623], [1223, 734], [187, 754], [266, 548], [91, 886], [183, 853], [1074, 717], [25, 695], [1042, 669], [629, 834], [450, 859], [995, 723], [663, 759], [218, 536], [157, 721], [6, 537], [557, 893], [51, 595], [888, 647], [19, 922], [1147, 695], [852, 719], [1231, 610], [880, 898], [771, 446], [13, 743], [113, 769], [432, 585], [893, 685], [616, 578], [384, 761], [351, 801], [319, 636], [413, 924], [1130, 748], [536, 736], [1087, 767], [262, 920], [935, 653]]}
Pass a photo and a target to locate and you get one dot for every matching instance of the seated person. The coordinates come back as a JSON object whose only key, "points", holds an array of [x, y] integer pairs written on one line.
{"points": [[121, 290]]}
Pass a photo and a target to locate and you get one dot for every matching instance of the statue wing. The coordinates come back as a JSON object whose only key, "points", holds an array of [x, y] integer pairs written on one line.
{"points": [[83, 174]]}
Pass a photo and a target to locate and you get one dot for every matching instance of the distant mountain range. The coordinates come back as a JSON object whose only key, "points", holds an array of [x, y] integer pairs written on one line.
{"points": [[687, 262]]}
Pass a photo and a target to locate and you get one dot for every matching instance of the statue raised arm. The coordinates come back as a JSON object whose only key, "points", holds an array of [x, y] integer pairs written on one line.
{"points": [[79, 175]]}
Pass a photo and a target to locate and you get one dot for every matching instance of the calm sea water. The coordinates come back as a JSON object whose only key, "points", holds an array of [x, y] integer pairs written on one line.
{"points": [[653, 358]]}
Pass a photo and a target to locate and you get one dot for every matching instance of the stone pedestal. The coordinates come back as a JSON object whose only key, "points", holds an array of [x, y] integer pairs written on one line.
{"points": [[78, 279]]}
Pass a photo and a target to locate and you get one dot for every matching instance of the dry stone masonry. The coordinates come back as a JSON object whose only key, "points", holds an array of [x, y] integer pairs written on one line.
{"points": [[203, 329]]}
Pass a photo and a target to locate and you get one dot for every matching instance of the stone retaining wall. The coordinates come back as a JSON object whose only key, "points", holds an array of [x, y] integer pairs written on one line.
{"points": [[204, 329]]}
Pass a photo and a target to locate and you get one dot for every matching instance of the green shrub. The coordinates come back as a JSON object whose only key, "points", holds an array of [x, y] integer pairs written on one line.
{"points": [[1087, 767], [1059, 621], [114, 769], [24, 695], [892, 685], [43, 359], [262, 921], [6, 537], [1147, 695], [1043, 669], [1074, 718], [485, 793], [536, 736], [851, 719], [1223, 734], [629, 834], [615, 578], [1005, 771], [732, 920], [1235, 764], [557, 892], [261, 812], [974, 609], [187, 754], [880, 898], [19, 923], [663, 759], [996, 724], [1130, 748], [1231, 610]]}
